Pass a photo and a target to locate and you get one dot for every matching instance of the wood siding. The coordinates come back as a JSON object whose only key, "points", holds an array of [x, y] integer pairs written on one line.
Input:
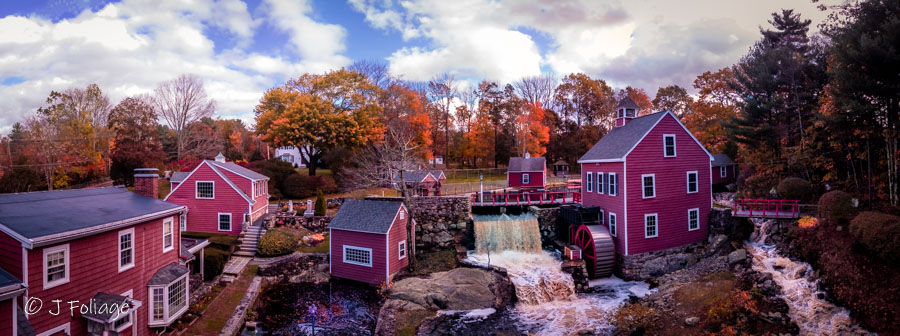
{"points": [[376, 274], [672, 200], [11, 255], [537, 179], [6, 314], [614, 204], [395, 236], [730, 174], [203, 214], [93, 267]]}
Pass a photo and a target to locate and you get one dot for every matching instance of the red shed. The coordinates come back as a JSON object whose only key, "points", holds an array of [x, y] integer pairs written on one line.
{"points": [[221, 196], [368, 241], [527, 172], [724, 171], [96, 246], [651, 178]]}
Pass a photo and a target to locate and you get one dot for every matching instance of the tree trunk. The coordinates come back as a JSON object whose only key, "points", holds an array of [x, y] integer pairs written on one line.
{"points": [[407, 201]]}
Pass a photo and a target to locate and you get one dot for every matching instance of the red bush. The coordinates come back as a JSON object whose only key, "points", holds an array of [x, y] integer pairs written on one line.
{"points": [[879, 233], [836, 206]]}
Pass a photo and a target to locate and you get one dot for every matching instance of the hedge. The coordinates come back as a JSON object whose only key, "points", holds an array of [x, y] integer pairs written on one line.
{"points": [[879, 233], [276, 243], [793, 188], [836, 206], [213, 262], [225, 243]]}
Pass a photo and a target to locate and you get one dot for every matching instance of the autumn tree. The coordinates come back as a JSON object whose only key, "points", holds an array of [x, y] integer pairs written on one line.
{"points": [[639, 96], [202, 141], [713, 108], [537, 89], [673, 98], [404, 111], [585, 108], [442, 89], [318, 113], [532, 135], [135, 138], [181, 102]]}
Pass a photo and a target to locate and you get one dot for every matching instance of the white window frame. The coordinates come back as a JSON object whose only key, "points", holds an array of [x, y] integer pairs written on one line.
{"points": [[610, 178], [590, 181], [126, 267], [643, 187], [601, 186], [401, 249], [674, 147], [344, 255], [219, 221], [655, 223], [182, 222], [64, 328], [197, 189], [168, 317], [696, 182], [168, 222], [723, 172], [697, 210], [526, 178], [129, 294], [613, 222], [401, 214], [66, 260]]}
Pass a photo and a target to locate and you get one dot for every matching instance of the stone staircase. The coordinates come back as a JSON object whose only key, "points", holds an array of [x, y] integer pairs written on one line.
{"points": [[249, 238]]}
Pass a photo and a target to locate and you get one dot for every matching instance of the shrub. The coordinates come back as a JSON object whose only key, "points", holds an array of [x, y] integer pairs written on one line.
{"points": [[836, 206], [213, 262], [224, 243], [793, 188], [879, 233], [303, 186], [276, 243], [321, 204]]}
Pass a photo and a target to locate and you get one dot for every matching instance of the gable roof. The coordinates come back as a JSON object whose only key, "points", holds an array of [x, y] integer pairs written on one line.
{"points": [[529, 164], [237, 169], [620, 141], [627, 103], [561, 163], [43, 217], [179, 177], [720, 160], [215, 169], [416, 176], [437, 173], [366, 216]]}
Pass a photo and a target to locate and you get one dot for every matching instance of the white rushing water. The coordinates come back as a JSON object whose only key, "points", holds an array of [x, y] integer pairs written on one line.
{"points": [[548, 304], [799, 288]]}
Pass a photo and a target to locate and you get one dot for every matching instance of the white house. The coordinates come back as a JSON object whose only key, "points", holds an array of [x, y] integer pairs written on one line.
{"points": [[292, 155]]}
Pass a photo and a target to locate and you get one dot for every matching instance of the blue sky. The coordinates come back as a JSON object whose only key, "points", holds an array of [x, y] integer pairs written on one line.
{"points": [[240, 48]]}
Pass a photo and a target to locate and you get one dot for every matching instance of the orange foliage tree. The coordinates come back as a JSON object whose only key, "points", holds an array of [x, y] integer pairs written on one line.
{"points": [[532, 135]]}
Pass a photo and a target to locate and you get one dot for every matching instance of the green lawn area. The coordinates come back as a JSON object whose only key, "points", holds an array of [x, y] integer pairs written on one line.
{"points": [[319, 171], [474, 179], [221, 308]]}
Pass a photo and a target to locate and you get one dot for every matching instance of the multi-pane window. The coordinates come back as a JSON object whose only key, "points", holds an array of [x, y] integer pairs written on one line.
{"points": [[56, 263], [358, 255], [177, 296], [158, 304], [613, 184], [612, 224], [124, 320], [693, 219], [183, 222], [649, 185], [168, 302], [669, 144], [600, 186], [402, 249], [590, 182], [224, 222], [205, 189], [650, 226], [723, 172], [526, 178], [168, 234], [126, 249], [692, 182]]}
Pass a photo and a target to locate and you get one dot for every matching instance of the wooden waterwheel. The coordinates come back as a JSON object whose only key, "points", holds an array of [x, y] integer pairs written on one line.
{"points": [[597, 249]]}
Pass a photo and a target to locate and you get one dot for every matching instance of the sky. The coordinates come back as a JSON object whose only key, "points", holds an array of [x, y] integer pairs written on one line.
{"points": [[240, 48]]}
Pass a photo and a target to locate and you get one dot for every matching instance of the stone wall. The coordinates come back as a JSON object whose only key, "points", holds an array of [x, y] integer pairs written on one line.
{"points": [[547, 218], [317, 224], [442, 221], [298, 268], [579, 273]]}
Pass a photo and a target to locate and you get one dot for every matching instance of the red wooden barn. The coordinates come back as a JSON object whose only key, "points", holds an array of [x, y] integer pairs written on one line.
{"points": [[527, 172], [651, 179], [221, 196], [101, 246], [724, 171], [369, 241]]}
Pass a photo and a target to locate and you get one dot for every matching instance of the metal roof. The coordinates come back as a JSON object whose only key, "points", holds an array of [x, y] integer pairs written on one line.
{"points": [[366, 216], [529, 164], [167, 274], [44, 213], [620, 140], [179, 176], [237, 169], [722, 160]]}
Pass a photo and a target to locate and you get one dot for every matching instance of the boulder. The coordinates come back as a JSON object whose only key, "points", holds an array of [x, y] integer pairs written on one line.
{"points": [[738, 256], [457, 289], [718, 245], [691, 321], [396, 315]]}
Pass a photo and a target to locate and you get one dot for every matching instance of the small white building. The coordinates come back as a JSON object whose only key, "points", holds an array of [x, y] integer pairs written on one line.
{"points": [[292, 155]]}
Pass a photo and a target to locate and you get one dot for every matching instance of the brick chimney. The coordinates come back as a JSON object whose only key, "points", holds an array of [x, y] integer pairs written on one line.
{"points": [[146, 182]]}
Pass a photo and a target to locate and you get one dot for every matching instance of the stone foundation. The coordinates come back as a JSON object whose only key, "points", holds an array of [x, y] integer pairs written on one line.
{"points": [[442, 221], [547, 222], [648, 265], [298, 268], [579, 273]]}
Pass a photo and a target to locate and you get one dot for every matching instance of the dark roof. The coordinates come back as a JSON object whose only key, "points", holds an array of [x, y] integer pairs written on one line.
{"points": [[627, 103], [44, 213], [7, 279], [179, 176], [721, 160], [530, 164], [437, 173], [413, 176], [620, 140], [167, 274], [561, 163], [108, 299], [238, 169], [366, 216], [25, 327]]}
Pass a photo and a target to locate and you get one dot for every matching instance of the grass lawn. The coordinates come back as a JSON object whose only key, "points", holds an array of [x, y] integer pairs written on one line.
{"points": [[474, 179], [319, 171], [221, 308]]}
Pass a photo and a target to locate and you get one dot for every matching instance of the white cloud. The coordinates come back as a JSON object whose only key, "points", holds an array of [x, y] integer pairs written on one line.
{"points": [[319, 44], [128, 47]]}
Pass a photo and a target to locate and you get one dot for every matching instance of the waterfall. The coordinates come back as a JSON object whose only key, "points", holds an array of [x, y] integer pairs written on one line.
{"points": [[799, 288], [507, 233]]}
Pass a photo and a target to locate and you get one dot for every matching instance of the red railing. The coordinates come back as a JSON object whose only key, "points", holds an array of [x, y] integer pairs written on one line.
{"points": [[766, 208], [527, 198]]}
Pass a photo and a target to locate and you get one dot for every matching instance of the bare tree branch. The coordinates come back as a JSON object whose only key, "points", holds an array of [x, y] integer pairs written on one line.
{"points": [[180, 102]]}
